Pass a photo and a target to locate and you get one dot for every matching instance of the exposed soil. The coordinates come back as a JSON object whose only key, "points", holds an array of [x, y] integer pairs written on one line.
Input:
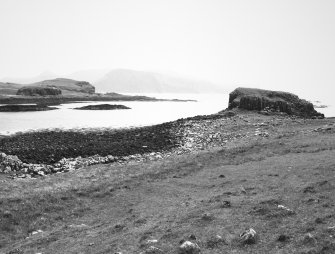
{"points": [[248, 171]]}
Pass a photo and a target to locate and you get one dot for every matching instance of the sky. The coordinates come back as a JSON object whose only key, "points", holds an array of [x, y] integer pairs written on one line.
{"points": [[271, 44]]}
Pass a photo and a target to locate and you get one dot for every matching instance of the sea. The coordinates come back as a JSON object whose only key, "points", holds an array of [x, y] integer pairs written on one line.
{"points": [[142, 113]]}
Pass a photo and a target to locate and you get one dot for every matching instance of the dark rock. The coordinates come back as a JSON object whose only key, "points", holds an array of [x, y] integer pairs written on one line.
{"points": [[319, 220], [283, 238], [309, 189], [207, 217], [309, 239], [271, 101], [225, 204], [102, 107], [192, 237], [41, 91]]}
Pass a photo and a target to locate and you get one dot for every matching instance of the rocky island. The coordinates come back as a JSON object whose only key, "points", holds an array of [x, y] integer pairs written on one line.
{"points": [[102, 107], [254, 178]]}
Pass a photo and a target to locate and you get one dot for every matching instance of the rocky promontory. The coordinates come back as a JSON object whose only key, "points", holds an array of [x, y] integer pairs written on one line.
{"points": [[272, 101], [102, 107]]}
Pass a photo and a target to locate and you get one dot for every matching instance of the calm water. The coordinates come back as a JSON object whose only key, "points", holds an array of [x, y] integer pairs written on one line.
{"points": [[140, 114]]}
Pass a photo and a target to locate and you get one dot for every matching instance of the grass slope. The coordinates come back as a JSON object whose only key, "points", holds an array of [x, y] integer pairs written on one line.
{"points": [[115, 207]]}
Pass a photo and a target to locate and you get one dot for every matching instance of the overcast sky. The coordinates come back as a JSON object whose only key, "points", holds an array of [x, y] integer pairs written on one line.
{"points": [[275, 44]]}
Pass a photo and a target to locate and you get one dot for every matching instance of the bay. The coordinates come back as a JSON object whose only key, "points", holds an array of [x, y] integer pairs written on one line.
{"points": [[142, 113]]}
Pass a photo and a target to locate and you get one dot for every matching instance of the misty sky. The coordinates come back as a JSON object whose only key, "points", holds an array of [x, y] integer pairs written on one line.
{"points": [[275, 44]]}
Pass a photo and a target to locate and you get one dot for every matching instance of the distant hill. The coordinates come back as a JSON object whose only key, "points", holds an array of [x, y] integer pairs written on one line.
{"points": [[130, 81], [29, 80], [9, 88], [119, 81], [67, 86]]}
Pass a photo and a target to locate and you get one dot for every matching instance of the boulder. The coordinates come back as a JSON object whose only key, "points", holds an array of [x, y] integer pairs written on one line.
{"points": [[39, 91], [189, 248], [249, 236], [273, 101]]}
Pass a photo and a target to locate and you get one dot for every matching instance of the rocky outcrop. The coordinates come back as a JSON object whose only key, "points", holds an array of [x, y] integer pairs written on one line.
{"points": [[272, 101], [38, 91], [102, 107]]}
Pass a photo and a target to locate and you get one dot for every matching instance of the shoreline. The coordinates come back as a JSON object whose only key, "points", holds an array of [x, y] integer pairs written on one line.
{"points": [[230, 171], [56, 150], [57, 100]]}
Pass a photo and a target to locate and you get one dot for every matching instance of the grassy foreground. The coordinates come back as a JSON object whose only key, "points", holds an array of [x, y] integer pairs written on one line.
{"points": [[113, 207]]}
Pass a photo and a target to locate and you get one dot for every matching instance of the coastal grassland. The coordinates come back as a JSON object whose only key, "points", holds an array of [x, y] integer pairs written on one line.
{"points": [[112, 207]]}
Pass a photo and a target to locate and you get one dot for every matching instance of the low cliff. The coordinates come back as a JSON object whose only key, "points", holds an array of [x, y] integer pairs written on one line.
{"points": [[38, 91], [275, 101]]}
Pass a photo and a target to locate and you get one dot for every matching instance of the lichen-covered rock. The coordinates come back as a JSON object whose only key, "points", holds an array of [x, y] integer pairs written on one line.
{"points": [[249, 236], [258, 99]]}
